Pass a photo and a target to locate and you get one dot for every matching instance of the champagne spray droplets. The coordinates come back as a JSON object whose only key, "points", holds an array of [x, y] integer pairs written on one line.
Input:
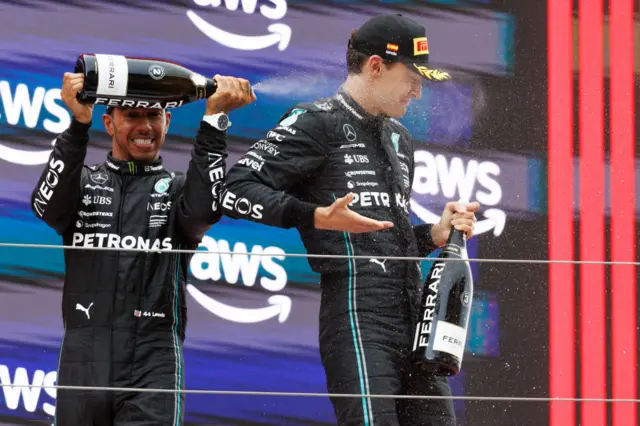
{"points": [[305, 85]]}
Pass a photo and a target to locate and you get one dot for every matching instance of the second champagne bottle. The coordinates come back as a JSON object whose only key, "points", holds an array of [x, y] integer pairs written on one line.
{"points": [[441, 331], [122, 81]]}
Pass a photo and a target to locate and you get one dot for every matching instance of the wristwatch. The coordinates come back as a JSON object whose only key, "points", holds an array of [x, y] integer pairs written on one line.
{"points": [[220, 120]]}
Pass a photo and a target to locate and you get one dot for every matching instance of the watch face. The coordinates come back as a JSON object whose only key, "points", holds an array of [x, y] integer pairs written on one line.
{"points": [[223, 122]]}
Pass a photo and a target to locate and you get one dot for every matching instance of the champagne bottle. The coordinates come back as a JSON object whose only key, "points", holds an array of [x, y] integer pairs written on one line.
{"points": [[121, 81], [441, 331]]}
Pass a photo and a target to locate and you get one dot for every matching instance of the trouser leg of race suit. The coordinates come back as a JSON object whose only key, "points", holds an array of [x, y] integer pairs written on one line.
{"points": [[436, 412], [82, 407], [365, 339], [158, 365], [346, 373], [385, 376]]}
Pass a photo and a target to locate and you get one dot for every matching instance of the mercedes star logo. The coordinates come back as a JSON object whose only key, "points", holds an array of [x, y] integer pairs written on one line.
{"points": [[349, 132], [99, 178]]}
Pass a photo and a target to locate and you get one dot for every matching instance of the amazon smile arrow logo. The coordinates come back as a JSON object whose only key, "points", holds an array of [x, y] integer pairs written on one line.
{"points": [[25, 158], [279, 306], [280, 34]]}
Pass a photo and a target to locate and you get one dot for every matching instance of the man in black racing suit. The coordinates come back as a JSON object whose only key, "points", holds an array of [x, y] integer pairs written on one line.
{"points": [[346, 153], [124, 312]]}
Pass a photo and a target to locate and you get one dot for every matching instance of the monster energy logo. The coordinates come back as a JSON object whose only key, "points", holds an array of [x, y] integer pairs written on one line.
{"points": [[133, 168]]}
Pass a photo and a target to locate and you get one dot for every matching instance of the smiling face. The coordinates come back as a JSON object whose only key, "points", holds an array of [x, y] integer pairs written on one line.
{"points": [[137, 133]]}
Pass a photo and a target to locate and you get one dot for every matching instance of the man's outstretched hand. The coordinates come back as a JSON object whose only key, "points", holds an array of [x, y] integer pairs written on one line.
{"points": [[338, 217]]}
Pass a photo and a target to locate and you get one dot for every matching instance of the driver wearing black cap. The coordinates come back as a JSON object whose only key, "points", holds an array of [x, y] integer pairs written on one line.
{"points": [[340, 170]]}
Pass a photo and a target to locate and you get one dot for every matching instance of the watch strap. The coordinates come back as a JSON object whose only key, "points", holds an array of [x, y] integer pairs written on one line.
{"points": [[214, 120]]}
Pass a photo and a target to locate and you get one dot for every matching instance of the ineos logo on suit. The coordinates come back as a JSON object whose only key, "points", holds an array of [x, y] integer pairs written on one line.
{"points": [[159, 206], [48, 185]]}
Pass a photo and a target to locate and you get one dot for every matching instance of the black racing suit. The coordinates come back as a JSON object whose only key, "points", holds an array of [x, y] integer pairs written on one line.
{"points": [[124, 312], [321, 151]]}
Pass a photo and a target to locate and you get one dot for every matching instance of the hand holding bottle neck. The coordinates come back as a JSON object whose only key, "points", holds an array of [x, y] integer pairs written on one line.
{"points": [[458, 216], [457, 237], [442, 233]]}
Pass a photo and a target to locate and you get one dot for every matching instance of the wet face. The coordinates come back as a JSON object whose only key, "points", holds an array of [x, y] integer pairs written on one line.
{"points": [[137, 133], [395, 85]]}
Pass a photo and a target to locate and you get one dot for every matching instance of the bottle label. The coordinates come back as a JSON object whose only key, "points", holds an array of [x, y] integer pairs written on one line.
{"points": [[428, 308], [129, 103], [453, 249], [200, 82], [450, 338], [113, 75]]}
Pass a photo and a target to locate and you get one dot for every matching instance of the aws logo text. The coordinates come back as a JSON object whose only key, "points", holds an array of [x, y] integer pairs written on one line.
{"points": [[21, 386], [22, 106], [239, 264]]}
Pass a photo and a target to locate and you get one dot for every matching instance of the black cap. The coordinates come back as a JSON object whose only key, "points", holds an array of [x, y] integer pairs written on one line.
{"points": [[398, 39]]}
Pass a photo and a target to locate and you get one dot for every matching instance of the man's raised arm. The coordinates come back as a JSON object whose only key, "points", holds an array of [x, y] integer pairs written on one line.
{"points": [[54, 198], [199, 203]]}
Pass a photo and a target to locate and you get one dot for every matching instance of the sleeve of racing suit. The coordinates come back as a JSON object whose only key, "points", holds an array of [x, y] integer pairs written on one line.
{"points": [[261, 178], [198, 203], [422, 231], [425, 241], [55, 197]]}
